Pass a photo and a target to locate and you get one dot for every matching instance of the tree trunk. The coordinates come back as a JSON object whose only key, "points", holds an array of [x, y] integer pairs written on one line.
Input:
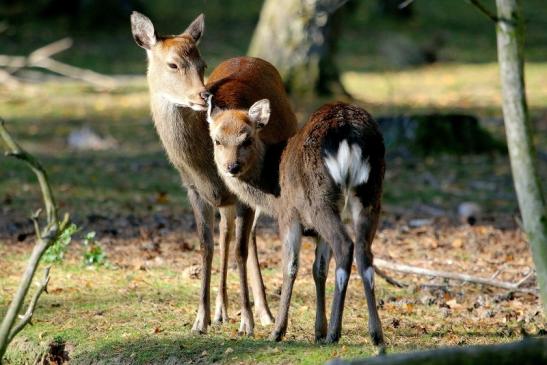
{"points": [[510, 37], [299, 38]]}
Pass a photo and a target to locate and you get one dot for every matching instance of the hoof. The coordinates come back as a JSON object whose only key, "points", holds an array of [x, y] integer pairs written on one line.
{"points": [[221, 317], [377, 337], [200, 325], [246, 326], [276, 336], [332, 338]]}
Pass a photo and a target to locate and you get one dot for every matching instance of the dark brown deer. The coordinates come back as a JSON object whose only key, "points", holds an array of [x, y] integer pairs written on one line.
{"points": [[177, 93], [335, 160]]}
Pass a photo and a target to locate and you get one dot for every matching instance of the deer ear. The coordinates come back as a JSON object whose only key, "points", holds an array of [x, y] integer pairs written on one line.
{"points": [[143, 30], [195, 30], [259, 113]]}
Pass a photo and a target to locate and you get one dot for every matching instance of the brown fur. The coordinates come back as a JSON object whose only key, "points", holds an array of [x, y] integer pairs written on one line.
{"points": [[308, 198], [178, 108]]}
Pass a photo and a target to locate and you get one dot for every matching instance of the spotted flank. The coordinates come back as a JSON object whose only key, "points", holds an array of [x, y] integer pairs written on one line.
{"points": [[347, 167]]}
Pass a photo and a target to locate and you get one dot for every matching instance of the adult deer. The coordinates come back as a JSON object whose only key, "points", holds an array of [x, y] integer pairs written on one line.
{"points": [[177, 100], [335, 160]]}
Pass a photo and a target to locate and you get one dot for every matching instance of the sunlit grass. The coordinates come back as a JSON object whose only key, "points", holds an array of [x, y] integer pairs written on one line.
{"points": [[452, 87]]}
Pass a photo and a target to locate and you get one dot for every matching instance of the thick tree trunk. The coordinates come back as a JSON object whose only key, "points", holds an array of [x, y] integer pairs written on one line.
{"points": [[299, 38], [530, 351], [510, 36]]}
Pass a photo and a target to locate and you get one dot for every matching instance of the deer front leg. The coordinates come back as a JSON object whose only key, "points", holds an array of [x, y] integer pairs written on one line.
{"points": [[204, 216], [291, 233], [243, 225], [262, 311], [226, 228]]}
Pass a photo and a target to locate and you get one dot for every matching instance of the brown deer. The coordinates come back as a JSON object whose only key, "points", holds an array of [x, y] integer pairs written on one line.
{"points": [[177, 100], [335, 160]]}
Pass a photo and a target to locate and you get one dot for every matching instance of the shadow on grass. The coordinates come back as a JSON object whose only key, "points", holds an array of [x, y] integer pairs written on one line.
{"points": [[194, 349]]}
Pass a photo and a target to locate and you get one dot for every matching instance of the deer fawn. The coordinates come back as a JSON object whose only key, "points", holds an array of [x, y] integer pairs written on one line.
{"points": [[177, 93], [336, 159]]}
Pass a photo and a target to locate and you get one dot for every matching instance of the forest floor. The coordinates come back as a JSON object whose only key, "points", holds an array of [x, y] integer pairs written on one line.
{"points": [[139, 307]]}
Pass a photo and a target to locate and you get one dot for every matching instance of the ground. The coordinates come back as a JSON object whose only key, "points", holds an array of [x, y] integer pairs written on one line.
{"points": [[139, 308]]}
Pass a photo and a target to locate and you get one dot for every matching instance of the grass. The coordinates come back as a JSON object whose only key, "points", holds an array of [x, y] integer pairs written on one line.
{"points": [[140, 310]]}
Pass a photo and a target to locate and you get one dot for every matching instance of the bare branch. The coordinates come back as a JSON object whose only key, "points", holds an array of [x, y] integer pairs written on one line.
{"points": [[16, 151], [45, 238], [42, 58], [389, 265], [405, 3], [484, 10], [389, 279], [27, 317]]}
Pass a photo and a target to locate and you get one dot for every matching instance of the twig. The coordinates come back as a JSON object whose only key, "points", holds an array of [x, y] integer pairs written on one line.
{"points": [[16, 151], [388, 278], [484, 10], [27, 317], [452, 275], [405, 3]]}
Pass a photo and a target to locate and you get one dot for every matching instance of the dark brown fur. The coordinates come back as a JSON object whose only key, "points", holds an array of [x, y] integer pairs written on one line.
{"points": [[307, 197]]}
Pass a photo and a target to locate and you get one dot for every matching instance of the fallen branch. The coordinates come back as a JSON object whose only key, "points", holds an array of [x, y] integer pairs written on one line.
{"points": [[530, 351], [389, 265], [41, 58], [44, 239], [388, 278]]}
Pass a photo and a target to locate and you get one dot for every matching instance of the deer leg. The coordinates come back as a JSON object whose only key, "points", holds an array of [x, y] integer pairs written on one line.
{"points": [[320, 271], [365, 221], [330, 227], [243, 225], [291, 233], [204, 216], [227, 218], [262, 311]]}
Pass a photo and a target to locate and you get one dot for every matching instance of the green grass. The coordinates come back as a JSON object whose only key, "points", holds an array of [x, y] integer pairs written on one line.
{"points": [[133, 316]]}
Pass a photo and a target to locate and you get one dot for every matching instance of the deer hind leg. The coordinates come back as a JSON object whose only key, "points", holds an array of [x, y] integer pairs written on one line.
{"points": [[320, 271], [243, 225], [204, 216], [262, 311], [329, 225], [227, 219], [365, 221], [291, 234]]}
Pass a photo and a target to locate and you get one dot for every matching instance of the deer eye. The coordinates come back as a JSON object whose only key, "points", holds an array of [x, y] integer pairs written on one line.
{"points": [[247, 142], [172, 66]]}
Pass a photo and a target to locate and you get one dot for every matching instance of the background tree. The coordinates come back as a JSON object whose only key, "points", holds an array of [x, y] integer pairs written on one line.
{"points": [[299, 38], [510, 37]]}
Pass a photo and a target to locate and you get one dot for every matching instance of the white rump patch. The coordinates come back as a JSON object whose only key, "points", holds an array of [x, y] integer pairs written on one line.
{"points": [[347, 167]]}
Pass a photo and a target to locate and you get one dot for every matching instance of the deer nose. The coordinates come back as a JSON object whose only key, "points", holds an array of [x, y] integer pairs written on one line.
{"points": [[234, 168], [205, 95]]}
